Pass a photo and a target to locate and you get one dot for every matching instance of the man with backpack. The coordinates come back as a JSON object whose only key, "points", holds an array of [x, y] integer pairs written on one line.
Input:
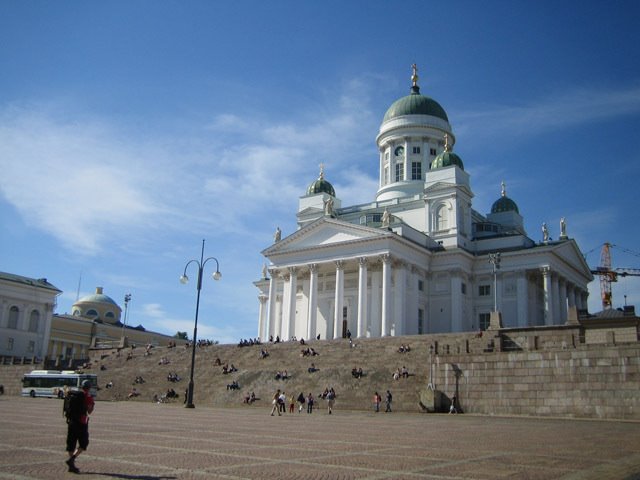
{"points": [[78, 405]]}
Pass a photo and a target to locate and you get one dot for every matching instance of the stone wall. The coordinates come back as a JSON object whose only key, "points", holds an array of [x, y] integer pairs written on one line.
{"points": [[595, 381]]}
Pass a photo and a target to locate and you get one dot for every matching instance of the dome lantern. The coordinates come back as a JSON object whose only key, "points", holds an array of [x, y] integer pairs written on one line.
{"points": [[504, 203], [321, 185]]}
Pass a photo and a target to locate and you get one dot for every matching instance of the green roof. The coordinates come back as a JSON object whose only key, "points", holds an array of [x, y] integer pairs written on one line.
{"points": [[446, 159], [415, 104], [504, 204]]}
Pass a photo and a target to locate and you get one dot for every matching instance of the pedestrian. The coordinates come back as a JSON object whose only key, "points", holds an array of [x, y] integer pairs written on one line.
{"points": [[276, 403], [310, 403], [331, 399], [376, 401], [292, 403], [388, 400], [452, 407], [78, 426], [301, 402]]}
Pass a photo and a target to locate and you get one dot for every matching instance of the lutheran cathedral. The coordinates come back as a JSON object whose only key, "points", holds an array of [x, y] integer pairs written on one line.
{"points": [[417, 258]]}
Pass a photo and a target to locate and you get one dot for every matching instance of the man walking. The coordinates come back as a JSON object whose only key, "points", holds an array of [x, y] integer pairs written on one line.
{"points": [[78, 423], [388, 399]]}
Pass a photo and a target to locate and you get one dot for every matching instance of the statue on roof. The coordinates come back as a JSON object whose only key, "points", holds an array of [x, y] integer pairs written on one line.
{"points": [[277, 236], [563, 228], [385, 217], [328, 207], [545, 233]]}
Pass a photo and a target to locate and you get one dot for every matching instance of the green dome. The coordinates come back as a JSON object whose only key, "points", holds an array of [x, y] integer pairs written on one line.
{"points": [[415, 104], [504, 204], [446, 159], [321, 186]]}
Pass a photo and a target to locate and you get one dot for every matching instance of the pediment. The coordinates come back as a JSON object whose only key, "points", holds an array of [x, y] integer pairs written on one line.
{"points": [[439, 187], [323, 232], [570, 253]]}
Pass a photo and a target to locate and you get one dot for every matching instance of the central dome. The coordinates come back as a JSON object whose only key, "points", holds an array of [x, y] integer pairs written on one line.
{"points": [[321, 185], [415, 104]]}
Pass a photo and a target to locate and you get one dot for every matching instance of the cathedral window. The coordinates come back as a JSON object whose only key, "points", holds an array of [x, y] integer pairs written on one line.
{"points": [[432, 151], [463, 288], [442, 222], [484, 319], [416, 170], [10, 342], [420, 286], [484, 290], [399, 172], [420, 321], [386, 174], [416, 150]]}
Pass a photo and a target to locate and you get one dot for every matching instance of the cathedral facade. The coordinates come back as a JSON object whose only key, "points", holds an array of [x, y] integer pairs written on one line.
{"points": [[418, 258]]}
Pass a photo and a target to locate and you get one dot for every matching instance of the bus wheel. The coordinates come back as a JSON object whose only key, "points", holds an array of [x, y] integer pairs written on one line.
{"points": [[32, 393]]}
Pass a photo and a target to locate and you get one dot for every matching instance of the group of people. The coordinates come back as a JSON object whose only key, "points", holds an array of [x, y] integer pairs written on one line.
{"points": [[233, 385], [173, 377], [377, 400], [248, 342], [404, 348], [280, 400], [308, 352], [282, 375], [356, 372], [401, 372], [229, 369]]}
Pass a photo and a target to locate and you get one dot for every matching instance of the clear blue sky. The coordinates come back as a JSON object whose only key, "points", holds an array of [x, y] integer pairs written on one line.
{"points": [[130, 131]]}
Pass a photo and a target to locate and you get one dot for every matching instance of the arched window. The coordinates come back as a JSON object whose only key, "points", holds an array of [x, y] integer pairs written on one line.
{"points": [[91, 313], [34, 321], [442, 218], [109, 315], [13, 317]]}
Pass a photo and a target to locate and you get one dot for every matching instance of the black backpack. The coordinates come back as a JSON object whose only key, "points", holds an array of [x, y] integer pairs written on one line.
{"points": [[74, 406]]}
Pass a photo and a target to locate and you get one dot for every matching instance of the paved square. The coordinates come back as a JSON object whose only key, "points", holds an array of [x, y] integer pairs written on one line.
{"points": [[146, 441]]}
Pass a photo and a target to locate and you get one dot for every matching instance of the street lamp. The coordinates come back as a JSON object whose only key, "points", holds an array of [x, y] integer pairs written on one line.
{"points": [[127, 299], [184, 279], [494, 259]]}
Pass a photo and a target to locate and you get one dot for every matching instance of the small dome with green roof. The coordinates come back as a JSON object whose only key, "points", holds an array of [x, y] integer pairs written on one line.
{"points": [[415, 104], [446, 158], [321, 185], [504, 203]]}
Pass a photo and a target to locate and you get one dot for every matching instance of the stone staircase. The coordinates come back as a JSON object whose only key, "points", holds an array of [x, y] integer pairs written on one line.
{"points": [[378, 358]]}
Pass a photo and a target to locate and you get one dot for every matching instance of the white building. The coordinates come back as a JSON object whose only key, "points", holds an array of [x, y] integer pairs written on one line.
{"points": [[26, 308], [418, 258]]}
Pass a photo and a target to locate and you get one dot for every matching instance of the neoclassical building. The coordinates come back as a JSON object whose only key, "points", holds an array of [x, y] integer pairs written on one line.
{"points": [[417, 258], [26, 307]]}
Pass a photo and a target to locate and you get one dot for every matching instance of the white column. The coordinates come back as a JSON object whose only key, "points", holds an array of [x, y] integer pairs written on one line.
{"points": [[277, 331], [571, 295], [271, 314], [555, 299], [456, 302], [339, 299], [562, 301], [547, 302], [386, 294], [375, 316], [523, 300], [262, 317], [291, 307], [362, 297], [399, 299], [312, 317]]}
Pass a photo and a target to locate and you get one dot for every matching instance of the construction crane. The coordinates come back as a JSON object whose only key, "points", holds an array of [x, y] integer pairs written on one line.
{"points": [[609, 275]]}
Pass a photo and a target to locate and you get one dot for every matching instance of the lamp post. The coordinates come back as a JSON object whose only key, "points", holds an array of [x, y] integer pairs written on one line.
{"points": [[127, 299], [494, 259], [184, 279]]}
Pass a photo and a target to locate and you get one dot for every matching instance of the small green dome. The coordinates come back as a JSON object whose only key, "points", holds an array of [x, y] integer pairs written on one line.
{"points": [[415, 104], [446, 159], [321, 186], [504, 203]]}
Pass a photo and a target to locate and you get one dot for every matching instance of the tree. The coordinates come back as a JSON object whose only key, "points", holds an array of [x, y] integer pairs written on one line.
{"points": [[181, 336]]}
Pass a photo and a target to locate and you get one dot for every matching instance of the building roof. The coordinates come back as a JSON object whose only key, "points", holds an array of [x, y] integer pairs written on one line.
{"points": [[39, 282], [97, 297]]}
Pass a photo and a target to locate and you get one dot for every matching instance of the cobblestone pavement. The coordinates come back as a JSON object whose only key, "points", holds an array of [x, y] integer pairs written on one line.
{"points": [[132, 440]]}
